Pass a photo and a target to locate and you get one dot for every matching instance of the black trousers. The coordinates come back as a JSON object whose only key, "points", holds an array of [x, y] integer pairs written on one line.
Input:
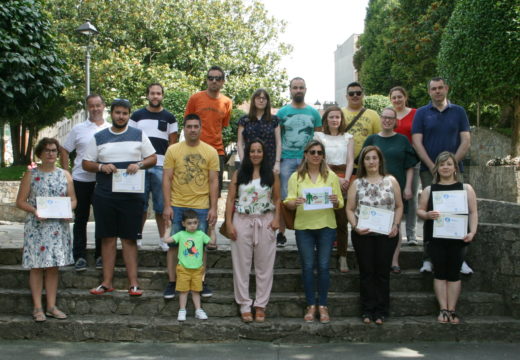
{"points": [[84, 194], [374, 255]]}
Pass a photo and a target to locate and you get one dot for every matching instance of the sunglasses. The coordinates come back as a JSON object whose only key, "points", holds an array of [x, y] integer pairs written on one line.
{"points": [[357, 93], [126, 101], [215, 78], [315, 152]]}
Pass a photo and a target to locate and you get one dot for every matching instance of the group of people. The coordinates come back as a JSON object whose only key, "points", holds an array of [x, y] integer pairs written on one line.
{"points": [[359, 158]]}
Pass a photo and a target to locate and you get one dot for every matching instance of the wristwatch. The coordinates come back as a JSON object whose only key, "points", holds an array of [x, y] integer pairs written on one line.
{"points": [[140, 164]]}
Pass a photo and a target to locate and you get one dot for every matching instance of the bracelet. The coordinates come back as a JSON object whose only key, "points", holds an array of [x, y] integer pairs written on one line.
{"points": [[99, 167]]}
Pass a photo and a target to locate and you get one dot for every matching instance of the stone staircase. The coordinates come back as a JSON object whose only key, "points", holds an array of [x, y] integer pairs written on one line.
{"points": [[118, 317]]}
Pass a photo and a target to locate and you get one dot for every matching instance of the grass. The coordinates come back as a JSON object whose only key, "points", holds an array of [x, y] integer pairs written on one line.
{"points": [[12, 173]]}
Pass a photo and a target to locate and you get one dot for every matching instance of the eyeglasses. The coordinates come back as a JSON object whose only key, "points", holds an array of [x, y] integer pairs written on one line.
{"points": [[315, 152], [387, 117], [50, 151], [357, 93], [215, 78]]}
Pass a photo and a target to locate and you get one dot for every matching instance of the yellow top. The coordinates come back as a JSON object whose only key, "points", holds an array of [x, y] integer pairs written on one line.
{"points": [[368, 124]]}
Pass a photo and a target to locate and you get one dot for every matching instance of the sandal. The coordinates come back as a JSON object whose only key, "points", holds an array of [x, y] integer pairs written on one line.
{"points": [[135, 291], [380, 320], [444, 316], [247, 317], [309, 315], [343, 267], [324, 315], [367, 319], [454, 318], [38, 315], [396, 269], [56, 313], [259, 314], [100, 290]]}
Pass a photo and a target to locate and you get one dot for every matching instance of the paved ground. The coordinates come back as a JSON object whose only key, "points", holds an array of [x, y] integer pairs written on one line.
{"points": [[255, 350]]}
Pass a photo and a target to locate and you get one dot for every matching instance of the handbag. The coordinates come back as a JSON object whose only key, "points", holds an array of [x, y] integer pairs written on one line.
{"points": [[223, 230], [288, 216]]}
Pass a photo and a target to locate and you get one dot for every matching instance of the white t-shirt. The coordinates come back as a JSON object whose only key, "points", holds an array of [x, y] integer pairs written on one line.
{"points": [[336, 147]]}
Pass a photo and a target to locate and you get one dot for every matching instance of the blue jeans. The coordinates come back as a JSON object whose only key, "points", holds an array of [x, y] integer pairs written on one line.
{"points": [[311, 243], [153, 184], [202, 214], [287, 167]]}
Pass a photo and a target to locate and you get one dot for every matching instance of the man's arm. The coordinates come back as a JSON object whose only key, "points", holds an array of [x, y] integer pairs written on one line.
{"points": [[64, 159], [173, 138], [213, 197], [421, 151], [465, 143], [167, 189]]}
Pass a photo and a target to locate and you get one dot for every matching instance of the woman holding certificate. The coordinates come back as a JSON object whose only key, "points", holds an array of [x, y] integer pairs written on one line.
{"points": [[447, 206], [314, 191], [47, 240], [374, 209]]}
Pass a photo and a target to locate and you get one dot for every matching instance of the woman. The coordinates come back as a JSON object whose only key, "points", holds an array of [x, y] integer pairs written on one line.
{"points": [[339, 146], [254, 197], [374, 188], [315, 229], [447, 254], [399, 99], [400, 160], [260, 124], [47, 242]]}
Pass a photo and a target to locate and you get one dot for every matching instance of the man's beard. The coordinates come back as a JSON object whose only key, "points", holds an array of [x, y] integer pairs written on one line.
{"points": [[117, 126], [299, 98], [159, 104]]}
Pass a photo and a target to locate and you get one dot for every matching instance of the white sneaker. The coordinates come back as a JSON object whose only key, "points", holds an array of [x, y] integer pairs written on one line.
{"points": [[139, 244], [164, 247], [465, 269], [181, 316], [201, 314], [426, 266]]}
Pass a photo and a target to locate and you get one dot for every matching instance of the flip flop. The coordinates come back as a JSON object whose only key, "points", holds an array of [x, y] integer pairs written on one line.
{"points": [[100, 290], [135, 291], [396, 269]]}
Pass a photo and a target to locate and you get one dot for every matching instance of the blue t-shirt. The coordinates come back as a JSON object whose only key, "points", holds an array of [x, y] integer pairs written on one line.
{"points": [[440, 129], [297, 128]]}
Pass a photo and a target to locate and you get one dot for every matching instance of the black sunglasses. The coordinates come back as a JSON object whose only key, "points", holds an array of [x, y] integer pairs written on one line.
{"points": [[216, 78], [315, 152], [126, 101], [352, 93]]}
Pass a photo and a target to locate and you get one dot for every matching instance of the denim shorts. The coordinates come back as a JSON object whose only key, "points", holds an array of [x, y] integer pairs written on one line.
{"points": [[153, 184], [202, 214]]}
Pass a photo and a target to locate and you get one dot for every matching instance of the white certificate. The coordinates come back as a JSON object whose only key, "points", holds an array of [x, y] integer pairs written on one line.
{"points": [[454, 202], [449, 226], [376, 219], [128, 183], [317, 198], [54, 207]]}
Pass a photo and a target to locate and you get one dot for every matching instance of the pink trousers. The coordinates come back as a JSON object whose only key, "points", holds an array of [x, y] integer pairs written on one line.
{"points": [[256, 245]]}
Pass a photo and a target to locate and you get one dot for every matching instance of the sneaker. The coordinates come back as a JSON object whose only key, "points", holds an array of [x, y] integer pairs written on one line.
{"points": [[169, 292], [426, 266], [465, 269], [81, 265], [206, 291], [280, 240], [181, 316], [99, 263], [139, 244], [163, 246], [201, 314], [412, 242]]}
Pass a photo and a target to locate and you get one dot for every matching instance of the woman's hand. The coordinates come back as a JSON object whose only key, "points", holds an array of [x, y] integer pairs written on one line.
{"points": [[275, 224], [433, 214], [231, 231], [394, 231], [299, 201], [38, 216], [344, 183], [407, 194], [276, 167], [334, 200], [469, 237], [362, 231]]}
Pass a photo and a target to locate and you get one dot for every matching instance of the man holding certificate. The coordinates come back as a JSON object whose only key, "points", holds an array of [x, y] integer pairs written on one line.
{"points": [[118, 155], [374, 209], [447, 206]]}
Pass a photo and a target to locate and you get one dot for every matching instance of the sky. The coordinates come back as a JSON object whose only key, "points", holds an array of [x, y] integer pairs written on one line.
{"points": [[315, 29]]}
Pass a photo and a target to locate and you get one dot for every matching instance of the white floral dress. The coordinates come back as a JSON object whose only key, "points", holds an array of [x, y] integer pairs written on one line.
{"points": [[47, 243]]}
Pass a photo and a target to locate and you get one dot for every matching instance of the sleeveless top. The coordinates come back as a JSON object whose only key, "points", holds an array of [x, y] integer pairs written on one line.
{"points": [[253, 198], [379, 195]]}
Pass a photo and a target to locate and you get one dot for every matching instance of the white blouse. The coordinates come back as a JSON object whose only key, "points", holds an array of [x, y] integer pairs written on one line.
{"points": [[336, 147]]}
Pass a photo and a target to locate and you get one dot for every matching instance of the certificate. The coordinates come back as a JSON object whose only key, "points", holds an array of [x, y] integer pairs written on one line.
{"points": [[454, 202], [128, 183], [317, 198], [376, 219], [54, 207], [449, 226]]}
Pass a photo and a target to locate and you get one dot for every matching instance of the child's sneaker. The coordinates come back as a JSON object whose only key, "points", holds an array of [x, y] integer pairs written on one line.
{"points": [[181, 316], [199, 314]]}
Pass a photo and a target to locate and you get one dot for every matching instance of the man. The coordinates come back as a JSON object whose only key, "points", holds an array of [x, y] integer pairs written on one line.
{"points": [[437, 127], [298, 121], [84, 182], [190, 182], [161, 128], [126, 150]]}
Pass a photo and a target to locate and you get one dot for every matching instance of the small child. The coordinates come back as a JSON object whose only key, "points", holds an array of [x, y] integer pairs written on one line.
{"points": [[190, 269]]}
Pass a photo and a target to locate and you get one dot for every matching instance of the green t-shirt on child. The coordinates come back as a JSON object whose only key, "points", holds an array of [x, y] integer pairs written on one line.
{"points": [[191, 247]]}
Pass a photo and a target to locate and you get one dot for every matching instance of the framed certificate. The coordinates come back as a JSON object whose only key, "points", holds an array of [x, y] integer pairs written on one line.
{"points": [[54, 207], [128, 183], [376, 219], [453, 202], [449, 226], [317, 198]]}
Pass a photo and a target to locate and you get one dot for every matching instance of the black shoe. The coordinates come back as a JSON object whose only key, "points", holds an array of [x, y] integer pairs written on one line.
{"points": [[169, 292], [280, 240], [206, 291]]}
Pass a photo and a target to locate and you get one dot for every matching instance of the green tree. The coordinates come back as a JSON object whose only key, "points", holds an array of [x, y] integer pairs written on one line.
{"points": [[32, 75], [480, 55]]}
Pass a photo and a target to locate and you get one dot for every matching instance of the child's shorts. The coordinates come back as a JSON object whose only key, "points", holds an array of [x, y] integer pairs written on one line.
{"points": [[189, 279]]}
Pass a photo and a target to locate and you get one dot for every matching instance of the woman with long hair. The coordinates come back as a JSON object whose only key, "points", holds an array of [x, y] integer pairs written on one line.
{"points": [[315, 229], [252, 212], [373, 188], [447, 254], [339, 146]]}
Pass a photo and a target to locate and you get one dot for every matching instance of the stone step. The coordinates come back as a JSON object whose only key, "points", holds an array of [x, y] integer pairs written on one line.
{"points": [[15, 277], [115, 328], [222, 304]]}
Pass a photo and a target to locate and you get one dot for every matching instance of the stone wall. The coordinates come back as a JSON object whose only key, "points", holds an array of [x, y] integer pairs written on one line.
{"points": [[8, 209]]}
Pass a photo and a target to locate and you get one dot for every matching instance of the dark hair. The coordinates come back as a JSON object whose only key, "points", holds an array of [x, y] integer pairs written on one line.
{"points": [[217, 68], [362, 171], [253, 108], [296, 78], [122, 103], [192, 117], [303, 168], [189, 214], [442, 157], [154, 84], [354, 84], [93, 95], [437, 78], [245, 173], [342, 125], [400, 89], [42, 144]]}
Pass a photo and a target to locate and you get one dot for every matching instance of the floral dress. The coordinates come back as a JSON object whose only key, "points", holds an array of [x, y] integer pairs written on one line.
{"points": [[47, 243]]}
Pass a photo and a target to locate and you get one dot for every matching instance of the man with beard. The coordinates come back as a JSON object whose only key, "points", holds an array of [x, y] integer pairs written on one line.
{"points": [[161, 128], [125, 150], [298, 121]]}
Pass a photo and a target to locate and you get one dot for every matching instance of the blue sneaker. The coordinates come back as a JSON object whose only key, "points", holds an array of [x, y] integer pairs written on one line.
{"points": [[80, 265], [206, 291], [169, 292]]}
